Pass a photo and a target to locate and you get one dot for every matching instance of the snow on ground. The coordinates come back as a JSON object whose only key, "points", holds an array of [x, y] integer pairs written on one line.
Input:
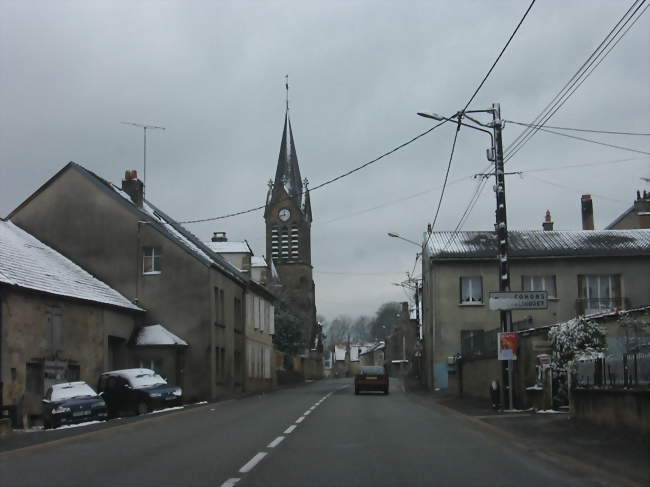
{"points": [[550, 411], [165, 410], [78, 425]]}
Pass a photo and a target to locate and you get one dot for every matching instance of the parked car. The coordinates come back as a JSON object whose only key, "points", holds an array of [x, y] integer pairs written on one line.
{"points": [[71, 403], [137, 390], [371, 378]]}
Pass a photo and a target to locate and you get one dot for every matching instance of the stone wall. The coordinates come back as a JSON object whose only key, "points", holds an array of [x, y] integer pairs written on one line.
{"points": [[477, 375], [627, 410]]}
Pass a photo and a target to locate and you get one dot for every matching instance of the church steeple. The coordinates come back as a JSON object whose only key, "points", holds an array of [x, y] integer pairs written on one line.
{"points": [[287, 174]]}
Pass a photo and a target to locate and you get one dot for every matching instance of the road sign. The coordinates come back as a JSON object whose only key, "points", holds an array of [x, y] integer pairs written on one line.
{"points": [[504, 300], [507, 346]]}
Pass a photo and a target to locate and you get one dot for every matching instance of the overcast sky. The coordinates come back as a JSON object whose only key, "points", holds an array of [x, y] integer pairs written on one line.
{"points": [[213, 72]]}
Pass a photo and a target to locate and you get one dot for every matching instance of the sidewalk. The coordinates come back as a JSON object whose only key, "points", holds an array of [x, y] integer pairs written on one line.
{"points": [[615, 457]]}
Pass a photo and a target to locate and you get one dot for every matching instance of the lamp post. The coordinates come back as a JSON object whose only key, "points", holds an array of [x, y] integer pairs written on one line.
{"points": [[494, 154], [417, 286]]}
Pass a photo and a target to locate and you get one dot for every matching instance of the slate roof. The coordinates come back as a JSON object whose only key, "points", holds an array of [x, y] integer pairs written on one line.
{"points": [[163, 223], [538, 243], [154, 335], [288, 172], [28, 263]]}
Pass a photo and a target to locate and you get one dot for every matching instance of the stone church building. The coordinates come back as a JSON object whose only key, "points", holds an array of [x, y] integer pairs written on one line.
{"points": [[288, 220]]}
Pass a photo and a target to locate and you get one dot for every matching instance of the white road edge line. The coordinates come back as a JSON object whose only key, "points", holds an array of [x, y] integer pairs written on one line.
{"points": [[275, 442], [230, 482], [300, 419], [252, 462], [290, 429]]}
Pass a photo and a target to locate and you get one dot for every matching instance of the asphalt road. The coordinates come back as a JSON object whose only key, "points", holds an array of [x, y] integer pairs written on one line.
{"points": [[317, 435]]}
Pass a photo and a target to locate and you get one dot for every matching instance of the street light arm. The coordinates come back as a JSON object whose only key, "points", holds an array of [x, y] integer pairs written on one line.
{"points": [[394, 235]]}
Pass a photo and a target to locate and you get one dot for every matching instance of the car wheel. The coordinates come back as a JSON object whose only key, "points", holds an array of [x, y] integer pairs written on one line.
{"points": [[142, 408]]}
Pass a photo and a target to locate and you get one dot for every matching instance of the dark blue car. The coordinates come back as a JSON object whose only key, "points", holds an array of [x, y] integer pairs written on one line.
{"points": [[72, 403], [137, 390]]}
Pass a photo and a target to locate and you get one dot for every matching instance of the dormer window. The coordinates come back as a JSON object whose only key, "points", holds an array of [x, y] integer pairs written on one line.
{"points": [[151, 257]]}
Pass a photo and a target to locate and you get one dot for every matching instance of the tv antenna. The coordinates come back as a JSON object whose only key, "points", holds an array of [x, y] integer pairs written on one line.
{"points": [[145, 128]]}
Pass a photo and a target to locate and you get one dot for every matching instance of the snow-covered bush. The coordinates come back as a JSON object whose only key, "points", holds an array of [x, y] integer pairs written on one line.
{"points": [[575, 339]]}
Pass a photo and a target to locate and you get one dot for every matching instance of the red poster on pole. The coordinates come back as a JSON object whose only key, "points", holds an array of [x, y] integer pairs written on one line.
{"points": [[508, 343]]}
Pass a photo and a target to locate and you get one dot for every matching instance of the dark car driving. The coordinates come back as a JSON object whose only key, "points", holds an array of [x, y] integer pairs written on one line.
{"points": [[371, 378], [71, 403], [137, 390]]}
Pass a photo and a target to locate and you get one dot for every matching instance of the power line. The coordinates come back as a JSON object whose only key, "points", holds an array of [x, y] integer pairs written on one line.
{"points": [[578, 130], [578, 78], [564, 186], [498, 57], [629, 149], [329, 181]]}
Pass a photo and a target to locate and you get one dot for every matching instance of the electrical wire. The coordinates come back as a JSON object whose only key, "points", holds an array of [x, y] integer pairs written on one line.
{"points": [[610, 132], [498, 57], [629, 149], [329, 181], [578, 78], [564, 186]]}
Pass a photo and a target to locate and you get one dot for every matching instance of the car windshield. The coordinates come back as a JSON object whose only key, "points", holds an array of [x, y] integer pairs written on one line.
{"points": [[145, 380], [61, 392], [372, 370]]}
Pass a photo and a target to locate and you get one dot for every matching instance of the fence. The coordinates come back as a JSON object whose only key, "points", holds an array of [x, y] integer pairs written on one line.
{"points": [[478, 343], [630, 370]]}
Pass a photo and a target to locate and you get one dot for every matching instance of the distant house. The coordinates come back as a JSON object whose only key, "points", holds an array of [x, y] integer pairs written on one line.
{"points": [[123, 239], [583, 272], [637, 216], [373, 355], [260, 317], [57, 322]]}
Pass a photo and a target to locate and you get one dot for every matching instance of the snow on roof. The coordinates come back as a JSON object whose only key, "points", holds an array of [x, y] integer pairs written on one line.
{"points": [[258, 261], [229, 247], [158, 335], [29, 263], [538, 243]]}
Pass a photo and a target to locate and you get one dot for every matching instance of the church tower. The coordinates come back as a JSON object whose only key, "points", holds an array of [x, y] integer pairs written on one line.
{"points": [[288, 233]]}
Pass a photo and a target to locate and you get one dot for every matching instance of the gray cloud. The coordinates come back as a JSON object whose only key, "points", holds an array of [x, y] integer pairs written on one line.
{"points": [[212, 73]]}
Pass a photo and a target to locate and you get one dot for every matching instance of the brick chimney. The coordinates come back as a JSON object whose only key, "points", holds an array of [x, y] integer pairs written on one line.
{"points": [[219, 237], [548, 223], [132, 186], [587, 207], [642, 208]]}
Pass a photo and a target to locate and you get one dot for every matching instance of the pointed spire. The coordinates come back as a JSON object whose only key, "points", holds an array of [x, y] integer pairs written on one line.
{"points": [[287, 173], [306, 208]]}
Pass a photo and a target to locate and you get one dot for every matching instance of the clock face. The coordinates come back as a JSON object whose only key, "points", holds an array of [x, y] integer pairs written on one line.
{"points": [[284, 214]]}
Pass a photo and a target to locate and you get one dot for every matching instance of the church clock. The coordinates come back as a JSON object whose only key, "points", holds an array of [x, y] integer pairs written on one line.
{"points": [[284, 214]]}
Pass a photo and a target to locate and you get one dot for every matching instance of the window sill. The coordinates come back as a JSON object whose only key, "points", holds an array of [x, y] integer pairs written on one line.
{"points": [[155, 273], [471, 304]]}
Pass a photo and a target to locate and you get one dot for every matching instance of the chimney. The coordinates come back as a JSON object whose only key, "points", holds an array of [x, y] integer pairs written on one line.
{"points": [[548, 223], [642, 208], [587, 207], [219, 237], [132, 186]]}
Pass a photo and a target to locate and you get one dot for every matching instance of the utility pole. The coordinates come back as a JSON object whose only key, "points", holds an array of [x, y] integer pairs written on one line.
{"points": [[145, 127], [502, 233]]}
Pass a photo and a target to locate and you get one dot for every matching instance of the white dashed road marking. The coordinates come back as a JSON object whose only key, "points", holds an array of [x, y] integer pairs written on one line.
{"points": [[230, 482], [275, 442], [252, 462], [290, 429], [300, 419]]}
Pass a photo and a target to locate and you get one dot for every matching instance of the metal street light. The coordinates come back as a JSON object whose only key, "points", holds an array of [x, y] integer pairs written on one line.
{"points": [[495, 154], [395, 235]]}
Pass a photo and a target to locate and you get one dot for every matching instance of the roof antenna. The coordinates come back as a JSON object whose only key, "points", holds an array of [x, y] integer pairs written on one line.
{"points": [[286, 85]]}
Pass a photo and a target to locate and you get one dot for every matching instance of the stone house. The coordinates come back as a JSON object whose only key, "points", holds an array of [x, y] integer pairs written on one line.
{"points": [[374, 355], [400, 345], [147, 256], [57, 322], [636, 216], [582, 271], [260, 312]]}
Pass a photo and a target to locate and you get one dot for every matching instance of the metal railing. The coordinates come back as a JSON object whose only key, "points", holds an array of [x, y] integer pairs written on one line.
{"points": [[630, 370], [587, 306]]}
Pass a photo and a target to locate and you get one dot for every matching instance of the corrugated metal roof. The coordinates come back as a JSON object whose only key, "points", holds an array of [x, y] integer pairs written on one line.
{"points": [[538, 243], [27, 262]]}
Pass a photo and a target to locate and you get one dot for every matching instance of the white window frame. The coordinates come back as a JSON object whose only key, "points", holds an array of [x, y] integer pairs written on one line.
{"points": [[470, 278], [545, 279], [155, 252]]}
